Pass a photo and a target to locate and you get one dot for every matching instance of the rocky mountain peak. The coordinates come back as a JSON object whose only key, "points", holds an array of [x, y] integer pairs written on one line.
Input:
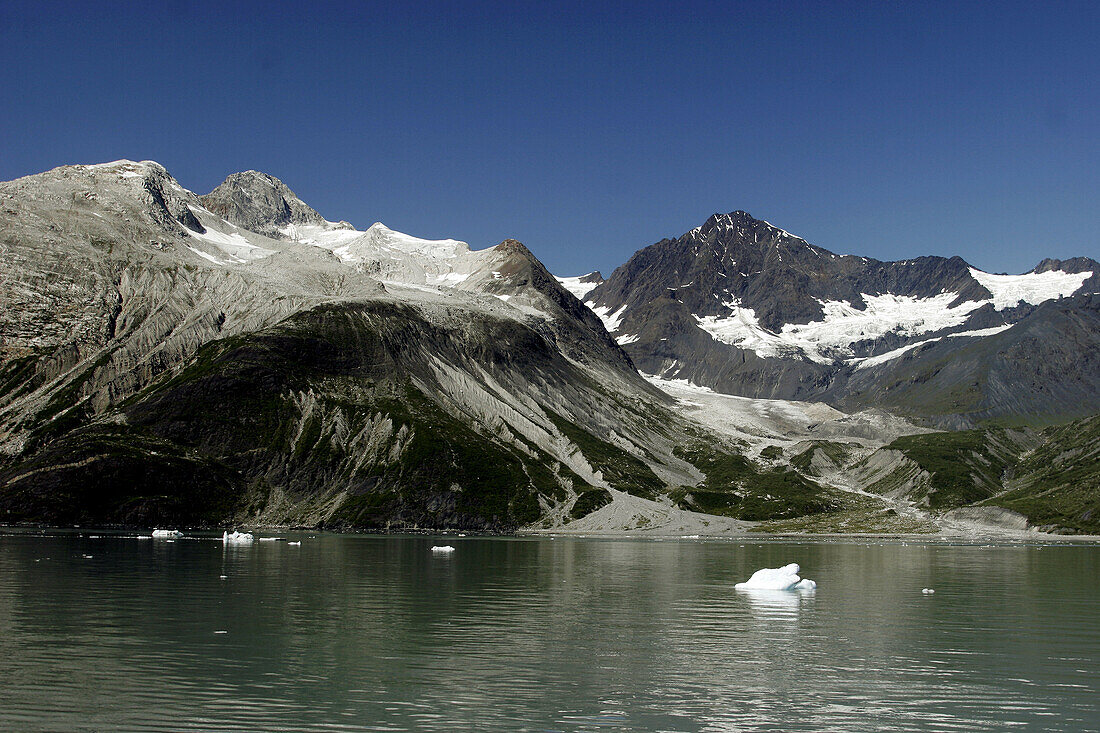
{"points": [[1074, 264], [259, 202]]}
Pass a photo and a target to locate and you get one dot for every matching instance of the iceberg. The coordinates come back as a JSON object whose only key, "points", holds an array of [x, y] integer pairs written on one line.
{"points": [[295, 544], [164, 534], [784, 578], [237, 537], [442, 548]]}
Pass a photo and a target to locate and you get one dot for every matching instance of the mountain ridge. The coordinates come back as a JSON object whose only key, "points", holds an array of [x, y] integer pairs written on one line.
{"points": [[160, 362], [742, 306]]}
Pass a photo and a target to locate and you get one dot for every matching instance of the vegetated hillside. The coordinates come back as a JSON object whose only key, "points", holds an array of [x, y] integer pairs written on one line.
{"points": [[746, 308], [1050, 476]]}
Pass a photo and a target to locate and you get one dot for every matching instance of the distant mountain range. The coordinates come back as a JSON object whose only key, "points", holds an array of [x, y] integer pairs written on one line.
{"points": [[746, 308], [170, 358]]}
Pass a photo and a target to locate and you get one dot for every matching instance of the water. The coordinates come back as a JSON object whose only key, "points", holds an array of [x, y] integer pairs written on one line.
{"points": [[377, 633]]}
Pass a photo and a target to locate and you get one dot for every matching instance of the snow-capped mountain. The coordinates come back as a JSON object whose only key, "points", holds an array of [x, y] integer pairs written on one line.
{"points": [[742, 306], [270, 364], [169, 358]]}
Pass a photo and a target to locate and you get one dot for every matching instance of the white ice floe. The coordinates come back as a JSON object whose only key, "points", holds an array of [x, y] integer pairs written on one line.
{"points": [[927, 591], [270, 539], [784, 578], [163, 534], [295, 544], [237, 537], [442, 548]]}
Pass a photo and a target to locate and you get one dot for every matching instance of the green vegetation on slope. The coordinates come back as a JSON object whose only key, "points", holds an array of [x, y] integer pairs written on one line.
{"points": [[965, 466], [619, 469], [735, 487], [1058, 484]]}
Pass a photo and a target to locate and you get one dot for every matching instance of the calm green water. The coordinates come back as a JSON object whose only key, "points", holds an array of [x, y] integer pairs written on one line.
{"points": [[376, 633]]}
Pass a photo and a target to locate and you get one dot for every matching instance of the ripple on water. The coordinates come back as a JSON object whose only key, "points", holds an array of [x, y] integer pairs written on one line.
{"points": [[373, 633]]}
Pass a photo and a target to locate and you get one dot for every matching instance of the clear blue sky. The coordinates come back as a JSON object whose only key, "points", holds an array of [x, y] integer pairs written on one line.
{"points": [[589, 130]]}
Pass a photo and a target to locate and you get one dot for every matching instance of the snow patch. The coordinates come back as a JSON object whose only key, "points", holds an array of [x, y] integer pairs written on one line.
{"points": [[895, 353], [1032, 287], [830, 339], [576, 287], [611, 321]]}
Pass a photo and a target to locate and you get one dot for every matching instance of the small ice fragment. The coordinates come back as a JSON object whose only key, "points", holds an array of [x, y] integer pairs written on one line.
{"points": [[221, 632], [239, 537], [163, 534], [295, 544], [442, 548], [270, 539], [87, 557], [784, 578], [223, 577], [689, 536], [927, 591]]}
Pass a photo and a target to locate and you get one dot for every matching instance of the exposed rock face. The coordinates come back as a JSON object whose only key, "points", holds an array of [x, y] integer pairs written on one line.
{"points": [[161, 363], [746, 308], [260, 203]]}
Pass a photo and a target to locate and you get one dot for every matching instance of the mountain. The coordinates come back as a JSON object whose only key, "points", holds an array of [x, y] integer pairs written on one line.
{"points": [[174, 358], [746, 308], [236, 358]]}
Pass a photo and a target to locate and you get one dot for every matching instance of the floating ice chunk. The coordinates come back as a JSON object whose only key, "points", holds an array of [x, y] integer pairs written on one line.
{"points": [[221, 632], [163, 534], [442, 548], [927, 591], [239, 537], [784, 578], [295, 544], [270, 539], [223, 577]]}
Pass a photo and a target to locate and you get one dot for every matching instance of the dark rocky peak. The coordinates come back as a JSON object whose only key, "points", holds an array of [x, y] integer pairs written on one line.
{"points": [[592, 277], [1074, 264], [259, 202]]}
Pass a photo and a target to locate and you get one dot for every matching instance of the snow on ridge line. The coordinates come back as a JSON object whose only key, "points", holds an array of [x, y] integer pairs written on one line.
{"points": [[1031, 287]]}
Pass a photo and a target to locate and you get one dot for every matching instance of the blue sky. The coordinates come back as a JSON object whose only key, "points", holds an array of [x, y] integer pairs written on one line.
{"points": [[886, 129]]}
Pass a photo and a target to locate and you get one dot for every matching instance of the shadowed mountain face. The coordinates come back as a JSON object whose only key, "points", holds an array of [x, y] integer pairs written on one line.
{"points": [[746, 308]]}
